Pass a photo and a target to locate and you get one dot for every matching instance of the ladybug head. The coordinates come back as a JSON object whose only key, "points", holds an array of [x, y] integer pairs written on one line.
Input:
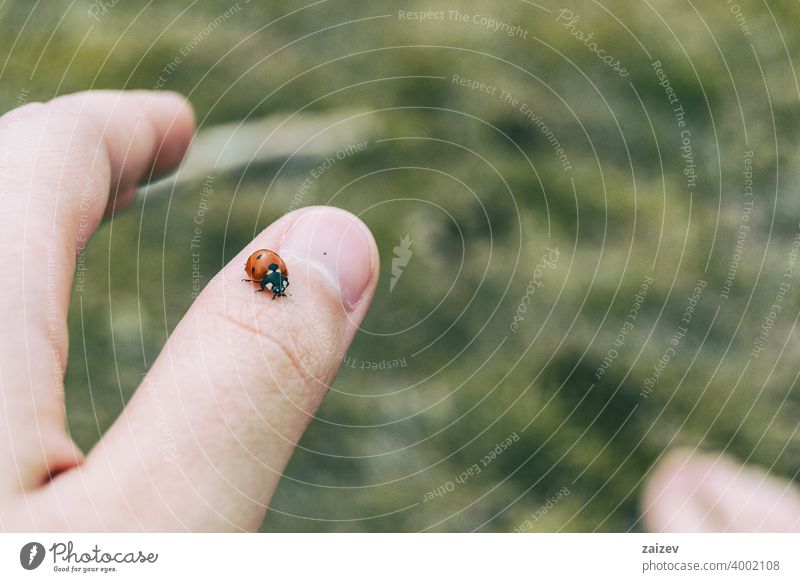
{"points": [[276, 282], [283, 283]]}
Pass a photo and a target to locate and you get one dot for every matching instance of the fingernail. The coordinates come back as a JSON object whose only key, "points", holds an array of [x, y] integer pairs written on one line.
{"points": [[338, 244]]}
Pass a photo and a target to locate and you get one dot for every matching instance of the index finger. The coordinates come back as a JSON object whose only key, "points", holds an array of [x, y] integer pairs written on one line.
{"points": [[58, 163]]}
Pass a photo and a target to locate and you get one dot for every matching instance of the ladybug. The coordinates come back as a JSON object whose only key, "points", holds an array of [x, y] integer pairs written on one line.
{"points": [[267, 269]]}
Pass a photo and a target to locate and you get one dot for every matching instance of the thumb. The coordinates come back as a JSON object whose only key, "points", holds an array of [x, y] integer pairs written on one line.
{"points": [[203, 442]]}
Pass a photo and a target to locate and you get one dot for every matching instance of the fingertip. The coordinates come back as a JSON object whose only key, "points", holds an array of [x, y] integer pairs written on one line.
{"points": [[340, 246]]}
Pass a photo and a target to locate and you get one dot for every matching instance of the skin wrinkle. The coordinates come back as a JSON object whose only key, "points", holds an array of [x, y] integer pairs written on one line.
{"points": [[300, 364]]}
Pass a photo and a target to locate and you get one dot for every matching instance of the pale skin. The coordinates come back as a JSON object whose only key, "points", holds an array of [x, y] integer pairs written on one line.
{"points": [[202, 444]]}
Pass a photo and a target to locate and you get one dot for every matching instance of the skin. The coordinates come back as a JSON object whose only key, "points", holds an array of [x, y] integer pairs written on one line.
{"points": [[693, 491], [202, 444]]}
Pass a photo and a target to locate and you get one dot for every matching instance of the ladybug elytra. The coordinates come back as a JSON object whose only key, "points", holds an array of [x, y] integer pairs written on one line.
{"points": [[266, 268]]}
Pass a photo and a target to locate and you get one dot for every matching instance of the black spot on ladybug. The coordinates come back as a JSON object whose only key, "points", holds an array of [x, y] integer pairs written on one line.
{"points": [[253, 270], [259, 256]]}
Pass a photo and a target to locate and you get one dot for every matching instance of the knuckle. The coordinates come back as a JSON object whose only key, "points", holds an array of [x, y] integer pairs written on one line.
{"points": [[56, 133], [74, 131], [286, 342], [23, 113], [67, 150], [57, 118]]}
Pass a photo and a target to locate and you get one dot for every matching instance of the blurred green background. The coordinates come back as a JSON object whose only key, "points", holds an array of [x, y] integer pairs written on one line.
{"points": [[479, 188]]}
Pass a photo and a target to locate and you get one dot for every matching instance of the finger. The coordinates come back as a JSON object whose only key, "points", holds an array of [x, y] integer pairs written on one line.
{"points": [[58, 162], [691, 492], [202, 444], [150, 138]]}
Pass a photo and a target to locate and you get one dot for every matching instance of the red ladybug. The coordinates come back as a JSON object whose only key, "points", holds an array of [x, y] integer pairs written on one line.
{"points": [[266, 268]]}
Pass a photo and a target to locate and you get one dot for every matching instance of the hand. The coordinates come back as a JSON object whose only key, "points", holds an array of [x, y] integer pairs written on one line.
{"points": [[692, 492], [203, 442]]}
